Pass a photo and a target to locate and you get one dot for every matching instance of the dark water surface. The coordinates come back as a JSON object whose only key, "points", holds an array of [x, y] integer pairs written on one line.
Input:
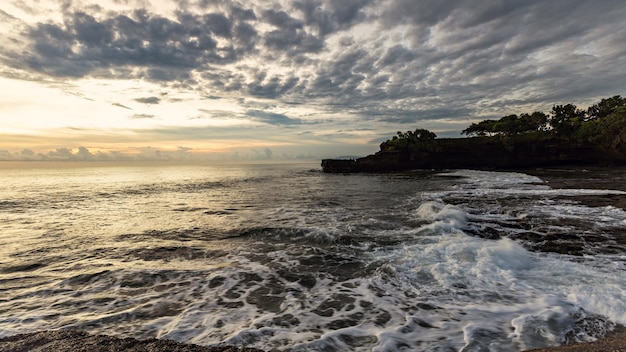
{"points": [[284, 257]]}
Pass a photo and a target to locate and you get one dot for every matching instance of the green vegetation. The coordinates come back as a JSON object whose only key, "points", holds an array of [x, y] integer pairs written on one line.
{"points": [[414, 142], [509, 125], [601, 126], [603, 123]]}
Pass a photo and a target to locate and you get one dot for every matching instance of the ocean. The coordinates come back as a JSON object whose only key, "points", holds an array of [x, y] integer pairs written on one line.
{"points": [[284, 257]]}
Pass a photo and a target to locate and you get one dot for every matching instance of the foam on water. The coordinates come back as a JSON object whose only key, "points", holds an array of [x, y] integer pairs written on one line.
{"points": [[499, 284], [499, 184], [563, 293]]}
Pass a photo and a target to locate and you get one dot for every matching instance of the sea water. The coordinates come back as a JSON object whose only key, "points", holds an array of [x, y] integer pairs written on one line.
{"points": [[285, 257]]}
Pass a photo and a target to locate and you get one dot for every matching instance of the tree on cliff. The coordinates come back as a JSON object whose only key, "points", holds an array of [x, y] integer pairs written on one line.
{"points": [[537, 121], [567, 136], [483, 128], [509, 125], [565, 119], [606, 124], [607, 132], [605, 107], [412, 142], [601, 126]]}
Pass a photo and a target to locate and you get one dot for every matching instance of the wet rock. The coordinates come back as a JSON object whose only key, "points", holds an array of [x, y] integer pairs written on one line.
{"points": [[487, 232], [561, 247], [79, 341]]}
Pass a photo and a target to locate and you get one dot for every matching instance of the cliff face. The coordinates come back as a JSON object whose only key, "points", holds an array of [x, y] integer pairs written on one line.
{"points": [[481, 153]]}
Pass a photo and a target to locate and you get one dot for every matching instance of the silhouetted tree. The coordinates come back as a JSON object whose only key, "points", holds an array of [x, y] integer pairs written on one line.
{"points": [[566, 119], [537, 121], [483, 128], [411, 141], [509, 125], [605, 107]]}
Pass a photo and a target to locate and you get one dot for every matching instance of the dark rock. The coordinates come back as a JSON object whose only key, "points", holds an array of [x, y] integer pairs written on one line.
{"points": [[562, 247], [79, 341], [487, 232], [486, 153]]}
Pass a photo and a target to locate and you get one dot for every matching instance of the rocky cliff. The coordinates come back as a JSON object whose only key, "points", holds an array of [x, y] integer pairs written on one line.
{"points": [[486, 153]]}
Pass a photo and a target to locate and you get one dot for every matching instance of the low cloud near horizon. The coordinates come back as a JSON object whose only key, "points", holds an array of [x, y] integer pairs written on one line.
{"points": [[344, 74]]}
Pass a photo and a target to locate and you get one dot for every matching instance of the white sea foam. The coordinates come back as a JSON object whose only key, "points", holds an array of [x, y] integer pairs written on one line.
{"points": [[488, 179], [500, 184], [607, 298], [539, 296], [441, 217]]}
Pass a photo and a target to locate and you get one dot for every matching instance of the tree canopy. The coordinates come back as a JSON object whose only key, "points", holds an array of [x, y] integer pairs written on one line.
{"points": [[602, 125], [509, 125], [563, 120]]}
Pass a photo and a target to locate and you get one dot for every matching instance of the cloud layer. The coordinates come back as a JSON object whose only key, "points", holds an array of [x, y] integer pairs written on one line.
{"points": [[382, 64]]}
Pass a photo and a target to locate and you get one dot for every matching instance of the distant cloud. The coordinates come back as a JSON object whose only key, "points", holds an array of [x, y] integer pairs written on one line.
{"points": [[263, 154], [142, 116], [77, 94], [65, 154], [121, 106], [148, 100], [84, 154], [217, 114]]}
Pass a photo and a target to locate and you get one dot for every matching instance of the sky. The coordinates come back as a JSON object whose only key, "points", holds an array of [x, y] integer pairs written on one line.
{"points": [[272, 79]]}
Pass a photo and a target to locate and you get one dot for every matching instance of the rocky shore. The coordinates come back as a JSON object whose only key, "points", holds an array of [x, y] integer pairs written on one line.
{"points": [[78, 341], [615, 343], [611, 178], [475, 154]]}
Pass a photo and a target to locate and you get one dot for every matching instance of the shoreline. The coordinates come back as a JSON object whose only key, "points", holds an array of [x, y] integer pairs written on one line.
{"points": [[613, 343], [596, 177], [80, 341], [600, 178]]}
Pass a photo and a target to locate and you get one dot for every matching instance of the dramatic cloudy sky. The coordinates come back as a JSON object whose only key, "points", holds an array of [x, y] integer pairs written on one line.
{"points": [[285, 79]]}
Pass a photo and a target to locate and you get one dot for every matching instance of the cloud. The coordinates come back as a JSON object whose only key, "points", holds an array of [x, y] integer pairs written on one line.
{"points": [[272, 118], [383, 64], [271, 87], [263, 154], [217, 114], [84, 154], [331, 16], [27, 152], [142, 116], [148, 100], [290, 34], [65, 154], [84, 44], [121, 106]]}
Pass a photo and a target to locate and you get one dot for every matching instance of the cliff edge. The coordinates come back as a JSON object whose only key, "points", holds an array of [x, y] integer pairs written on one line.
{"points": [[485, 153]]}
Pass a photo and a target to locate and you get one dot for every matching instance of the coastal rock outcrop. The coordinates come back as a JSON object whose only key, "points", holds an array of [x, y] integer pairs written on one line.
{"points": [[567, 136], [485, 153]]}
